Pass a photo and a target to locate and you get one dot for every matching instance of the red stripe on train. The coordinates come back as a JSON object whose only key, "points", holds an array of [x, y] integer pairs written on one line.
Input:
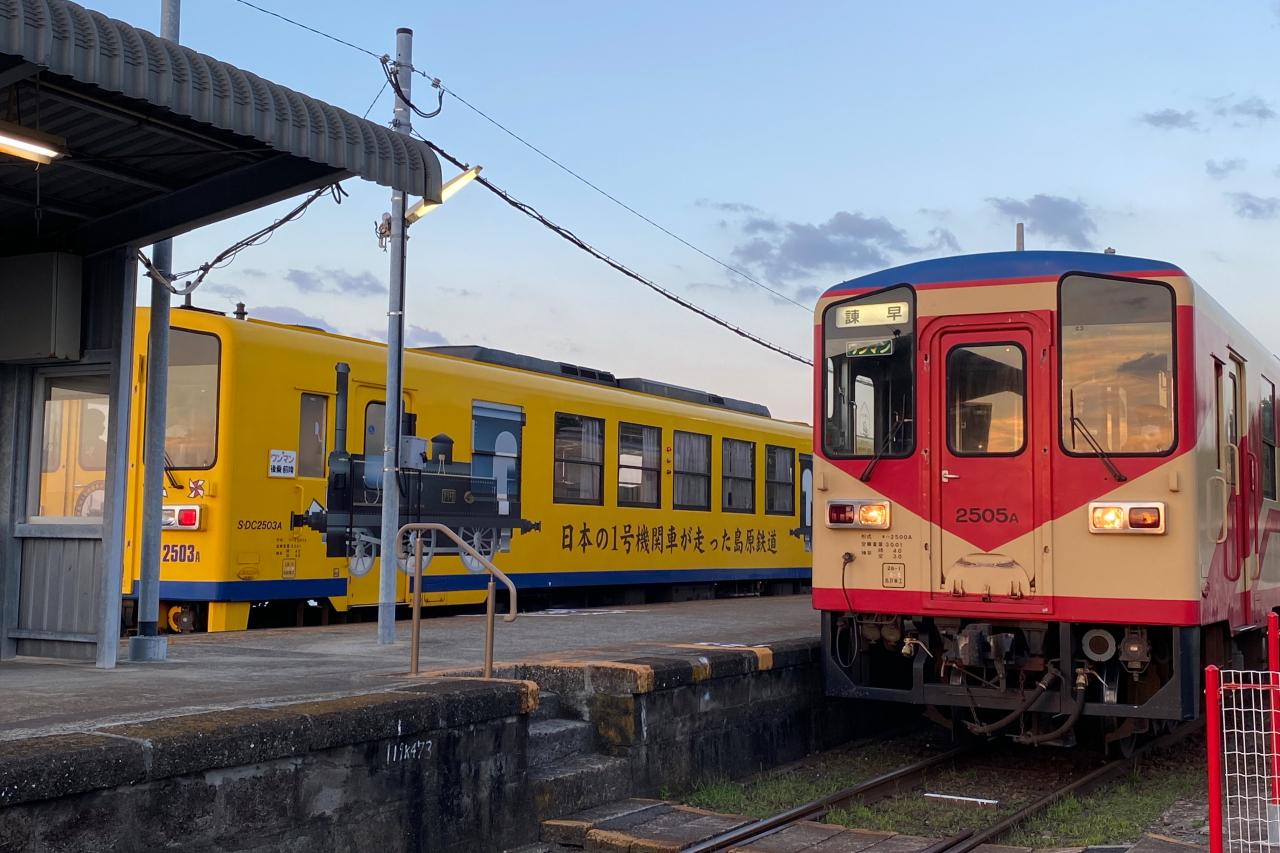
{"points": [[1147, 611]]}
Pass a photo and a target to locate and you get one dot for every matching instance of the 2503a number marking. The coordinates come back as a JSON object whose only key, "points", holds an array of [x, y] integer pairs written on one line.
{"points": [[179, 554], [985, 515]]}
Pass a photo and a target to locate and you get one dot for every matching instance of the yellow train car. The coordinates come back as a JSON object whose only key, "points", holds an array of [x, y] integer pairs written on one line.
{"points": [[632, 482]]}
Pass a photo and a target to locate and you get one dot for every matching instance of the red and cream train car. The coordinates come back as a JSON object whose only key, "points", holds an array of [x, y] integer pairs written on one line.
{"points": [[1048, 482]]}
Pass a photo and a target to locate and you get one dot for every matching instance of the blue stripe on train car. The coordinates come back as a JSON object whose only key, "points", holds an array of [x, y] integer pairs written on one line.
{"points": [[561, 580], [326, 587]]}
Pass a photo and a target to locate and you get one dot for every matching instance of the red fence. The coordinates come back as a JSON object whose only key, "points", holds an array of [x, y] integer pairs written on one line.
{"points": [[1242, 715]]}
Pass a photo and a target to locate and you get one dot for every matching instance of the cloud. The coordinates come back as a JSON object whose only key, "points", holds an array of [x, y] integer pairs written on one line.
{"points": [[338, 282], [419, 336], [847, 241], [726, 206], [414, 336], [1060, 220], [1250, 206], [1245, 110], [460, 292], [1170, 119], [218, 289], [1219, 169], [253, 272], [291, 315]]}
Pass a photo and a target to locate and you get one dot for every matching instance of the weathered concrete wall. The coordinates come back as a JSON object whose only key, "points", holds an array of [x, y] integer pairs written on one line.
{"points": [[702, 713], [441, 766], [434, 767]]}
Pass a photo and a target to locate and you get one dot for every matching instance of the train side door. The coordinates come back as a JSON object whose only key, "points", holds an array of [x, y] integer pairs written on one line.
{"points": [[1232, 463], [988, 477]]}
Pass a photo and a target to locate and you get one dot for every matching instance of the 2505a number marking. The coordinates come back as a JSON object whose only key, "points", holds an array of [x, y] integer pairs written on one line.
{"points": [[985, 515]]}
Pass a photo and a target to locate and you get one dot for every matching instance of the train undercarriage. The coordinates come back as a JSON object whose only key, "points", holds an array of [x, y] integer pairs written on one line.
{"points": [[1039, 682]]}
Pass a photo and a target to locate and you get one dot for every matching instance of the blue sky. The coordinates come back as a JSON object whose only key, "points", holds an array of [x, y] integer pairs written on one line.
{"points": [[806, 143]]}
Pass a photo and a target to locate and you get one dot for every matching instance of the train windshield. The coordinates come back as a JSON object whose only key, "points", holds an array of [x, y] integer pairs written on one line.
{"points": [[191, 420], [869, 375], [1117, 366]]}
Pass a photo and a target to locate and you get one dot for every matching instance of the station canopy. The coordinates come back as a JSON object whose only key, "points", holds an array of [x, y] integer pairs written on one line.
{"points": [[159, 139]]}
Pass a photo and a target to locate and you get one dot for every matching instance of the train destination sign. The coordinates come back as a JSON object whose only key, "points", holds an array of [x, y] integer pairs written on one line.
{"points": [[858, 349], [884, 314]]}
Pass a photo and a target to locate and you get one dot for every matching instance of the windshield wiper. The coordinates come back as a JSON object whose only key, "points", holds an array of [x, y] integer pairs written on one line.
{"points": [[168, 472], [888, 439], [1076, 423]]}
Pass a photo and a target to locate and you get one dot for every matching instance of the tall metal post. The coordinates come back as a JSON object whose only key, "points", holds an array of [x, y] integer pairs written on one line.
{"points": [[395, 365], [148, 644]]}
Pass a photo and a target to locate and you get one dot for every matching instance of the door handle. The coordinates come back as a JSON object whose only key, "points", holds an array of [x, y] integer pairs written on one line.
{"points": [[1226, 491], [947, 476]]}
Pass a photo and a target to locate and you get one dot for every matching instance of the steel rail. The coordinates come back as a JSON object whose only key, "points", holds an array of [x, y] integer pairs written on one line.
{"points": [[870, 791], [1091, 781], [908, 776]]}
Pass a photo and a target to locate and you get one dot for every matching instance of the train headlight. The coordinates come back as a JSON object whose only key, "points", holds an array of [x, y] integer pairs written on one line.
{"points": [[1107, 517], [873, 515]]}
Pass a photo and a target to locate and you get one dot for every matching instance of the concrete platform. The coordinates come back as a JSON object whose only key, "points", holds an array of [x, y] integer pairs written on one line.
{"points": [[220, 671]]}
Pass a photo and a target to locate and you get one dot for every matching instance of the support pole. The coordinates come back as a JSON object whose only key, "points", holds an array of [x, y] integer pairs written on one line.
{"points": [[148, 645], [395, 366]]}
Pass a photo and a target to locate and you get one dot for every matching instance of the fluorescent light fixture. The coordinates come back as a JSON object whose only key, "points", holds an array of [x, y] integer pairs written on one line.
{"points": [[30, 144], [447, 191]]}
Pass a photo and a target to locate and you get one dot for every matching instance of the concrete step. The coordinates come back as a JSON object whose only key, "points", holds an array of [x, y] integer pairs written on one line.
{"points": [[548, 705], [553, 740], [542, 847], [578, 782]]}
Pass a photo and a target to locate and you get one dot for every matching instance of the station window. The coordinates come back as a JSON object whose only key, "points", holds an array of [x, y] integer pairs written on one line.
{"points": [[191, 410], [639, 465], [579, 460], [779, 480], [1268, 439], [692, 471], [72, 422], [738, 473], [1116, 347], [313, 413], [869, 375]]}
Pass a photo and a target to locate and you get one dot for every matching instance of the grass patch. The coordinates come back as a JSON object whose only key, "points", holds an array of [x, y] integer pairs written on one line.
{"points": [[1121, 812]]}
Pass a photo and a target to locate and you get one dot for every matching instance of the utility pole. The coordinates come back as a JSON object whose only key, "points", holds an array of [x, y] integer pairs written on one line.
{"points": [[402, 123], [148, 644]]}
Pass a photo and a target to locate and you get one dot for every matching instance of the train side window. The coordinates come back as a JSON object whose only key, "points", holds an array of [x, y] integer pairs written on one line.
{"points": [[375, 423], [1217, 412], [191, 408], [1268, 439], [313, 423], [579, 460], [986, 399], [639, 465], [692, 487], [869, 375], [779, 480], [1117, 366], [738, 473]]}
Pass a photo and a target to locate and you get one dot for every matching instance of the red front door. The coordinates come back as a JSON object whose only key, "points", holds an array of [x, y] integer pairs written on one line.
{"points": [[989, 386]]}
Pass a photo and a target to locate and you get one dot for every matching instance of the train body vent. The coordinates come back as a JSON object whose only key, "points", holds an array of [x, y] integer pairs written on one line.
{"points": [[691, 395]]}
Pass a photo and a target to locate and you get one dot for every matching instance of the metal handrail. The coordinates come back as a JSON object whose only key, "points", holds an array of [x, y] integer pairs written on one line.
{"points": [[415, 638]]}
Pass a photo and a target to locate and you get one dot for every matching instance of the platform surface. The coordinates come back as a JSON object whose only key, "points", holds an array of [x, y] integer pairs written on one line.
{"points": [[212, 671]]}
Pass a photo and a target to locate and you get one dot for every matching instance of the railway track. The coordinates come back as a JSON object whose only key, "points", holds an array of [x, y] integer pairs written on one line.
{"points": [[909, 776]]}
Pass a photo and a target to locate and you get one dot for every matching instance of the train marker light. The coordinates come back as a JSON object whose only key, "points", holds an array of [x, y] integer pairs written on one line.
{"points": [[180, 518], [1107, 517], [873, 514]]}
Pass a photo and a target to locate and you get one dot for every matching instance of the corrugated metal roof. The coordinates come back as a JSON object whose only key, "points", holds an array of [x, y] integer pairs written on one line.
{"points": [[93, 49]]}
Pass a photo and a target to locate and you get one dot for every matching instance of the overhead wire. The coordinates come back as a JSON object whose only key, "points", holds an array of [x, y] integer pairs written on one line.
{"points": [[227, 255], [443, 90], [568, 235]]}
